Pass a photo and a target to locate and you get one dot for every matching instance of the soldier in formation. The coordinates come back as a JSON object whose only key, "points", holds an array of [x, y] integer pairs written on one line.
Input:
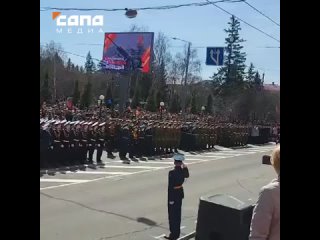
{"points": [[64, 143]]}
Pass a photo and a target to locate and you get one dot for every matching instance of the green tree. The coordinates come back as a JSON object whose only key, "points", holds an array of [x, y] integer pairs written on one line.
{"points": [[209, 104], [251, 73], [136, 97], [151, 104], [162, 79], [233, 70], [86, 96], [158, 98], [193, 103], [69, 64], [76, 93], [89, 65], [109, 94], [258, 81], [45, 93], [175, 104]]}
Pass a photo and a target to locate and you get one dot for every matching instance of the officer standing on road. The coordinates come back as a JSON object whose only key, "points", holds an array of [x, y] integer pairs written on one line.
{"points": [[175, 195]]}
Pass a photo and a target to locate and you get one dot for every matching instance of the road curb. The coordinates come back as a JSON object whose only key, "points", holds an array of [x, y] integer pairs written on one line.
{"points": [[188, 236]]}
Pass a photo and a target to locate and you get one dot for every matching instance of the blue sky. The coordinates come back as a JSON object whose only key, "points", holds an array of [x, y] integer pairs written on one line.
{"points": [[203, 26]]}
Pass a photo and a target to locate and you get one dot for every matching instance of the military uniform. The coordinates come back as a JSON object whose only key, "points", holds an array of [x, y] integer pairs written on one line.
{"points": [[149, 141], [100, 142], [110, 139], [178, 137], [66, 154], [45, 143], [133, 141], [175, 195], [57, 153], [91, 142], [141, 144], [83, 142], [77, 142], [156, 139], [124, 142], [74, 144]]}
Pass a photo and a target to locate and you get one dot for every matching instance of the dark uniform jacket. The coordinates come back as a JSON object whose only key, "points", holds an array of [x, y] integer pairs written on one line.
{"points": [[176, 179]]}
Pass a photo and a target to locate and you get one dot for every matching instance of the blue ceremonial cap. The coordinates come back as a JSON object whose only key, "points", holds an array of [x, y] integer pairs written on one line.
{"points": [[178, 157]]}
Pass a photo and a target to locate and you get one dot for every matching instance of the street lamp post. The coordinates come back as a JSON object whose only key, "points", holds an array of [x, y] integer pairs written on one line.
{"points": [[161, 109], [186, 76], [101, 98], [203, 108]]}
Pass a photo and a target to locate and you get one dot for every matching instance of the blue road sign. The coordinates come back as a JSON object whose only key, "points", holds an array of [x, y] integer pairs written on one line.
{"points": [[215, 56]]}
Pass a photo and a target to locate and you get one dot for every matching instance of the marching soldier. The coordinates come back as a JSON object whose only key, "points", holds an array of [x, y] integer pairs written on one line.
{"points": [[132, 140], [149, 140], [77, 142], [74, 148], [66, 156], [183, 142], [57, 153], [51, 153], [83, 132], [156, 138], [110, 139], [124, 143], [45, 142], [141, 144], [175, 195], [91, 142], [100, 142], [193, 138]]}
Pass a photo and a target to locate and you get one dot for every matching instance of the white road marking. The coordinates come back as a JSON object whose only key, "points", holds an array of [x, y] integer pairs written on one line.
{"points": [[63, 180], [182, 227], [93, 180], [222, 154], [158, 237], [145, 162], [91, 172], [128, 167], [258, 150], [208, 156], [149, 169], [200, 159]]}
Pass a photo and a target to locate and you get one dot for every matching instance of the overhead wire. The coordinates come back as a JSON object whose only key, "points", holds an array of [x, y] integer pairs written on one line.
{"points": [[245, 22], [166, 7], [260, 12]]}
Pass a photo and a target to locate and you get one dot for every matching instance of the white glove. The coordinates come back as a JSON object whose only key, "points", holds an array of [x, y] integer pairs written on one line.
{"points": [[51, 147], [72, 145], [62, 146], [171, 202], [98, 145]]}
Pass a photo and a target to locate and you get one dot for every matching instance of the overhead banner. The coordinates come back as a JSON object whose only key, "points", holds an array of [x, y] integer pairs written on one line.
{"points": [[126, 51]]}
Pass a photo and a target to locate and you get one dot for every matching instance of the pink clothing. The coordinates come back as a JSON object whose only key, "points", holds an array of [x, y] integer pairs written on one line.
{"points": [[265, 223]]}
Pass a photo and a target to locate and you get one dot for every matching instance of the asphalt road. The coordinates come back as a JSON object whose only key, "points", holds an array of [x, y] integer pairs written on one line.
{"points": [[130, 203]]}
